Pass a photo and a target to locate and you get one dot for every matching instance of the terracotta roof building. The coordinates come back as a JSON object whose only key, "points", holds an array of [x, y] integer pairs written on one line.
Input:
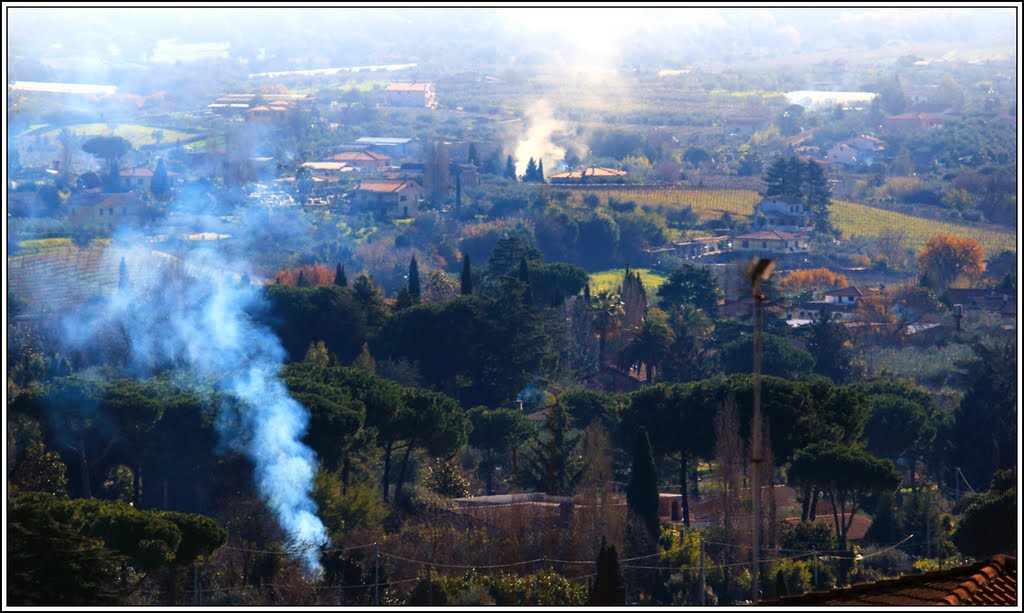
{"points": [[771, 241], [411, 94], [362, 160], [992, 582], [389, 197]]}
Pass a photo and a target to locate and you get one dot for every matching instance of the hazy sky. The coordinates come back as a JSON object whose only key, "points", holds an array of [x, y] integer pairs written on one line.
{"points": [[602, 34]]}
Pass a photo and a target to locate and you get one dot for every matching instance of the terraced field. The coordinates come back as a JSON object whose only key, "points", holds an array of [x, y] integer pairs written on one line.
{"points": [[52, 276], [851, 218]]}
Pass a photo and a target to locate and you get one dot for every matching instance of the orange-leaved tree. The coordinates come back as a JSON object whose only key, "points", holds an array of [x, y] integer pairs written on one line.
{"points": [[309, 275], [948, 259], [819, 278]]}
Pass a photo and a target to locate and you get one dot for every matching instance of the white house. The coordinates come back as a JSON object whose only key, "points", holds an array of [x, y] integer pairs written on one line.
{"points": [[860, 150], [411, 94]]}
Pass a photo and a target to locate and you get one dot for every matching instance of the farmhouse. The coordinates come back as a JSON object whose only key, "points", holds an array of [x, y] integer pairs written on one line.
{"points": [[771, 242], [105, 210], [390, 197], [771, 214], [744, 126], [860, 150], [411, 95], [140, 178], [914, 121]]}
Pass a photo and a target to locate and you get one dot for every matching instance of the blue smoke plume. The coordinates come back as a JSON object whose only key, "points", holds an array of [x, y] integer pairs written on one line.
{"points": [[194, 315]]}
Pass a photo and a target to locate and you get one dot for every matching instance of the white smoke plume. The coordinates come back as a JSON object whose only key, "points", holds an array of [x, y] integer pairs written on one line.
{"points": [[200, 321], [541, 125]]}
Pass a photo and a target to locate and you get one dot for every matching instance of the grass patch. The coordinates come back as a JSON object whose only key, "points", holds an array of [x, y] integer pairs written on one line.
{"points": [[43, 245], [851, 218], [139, 135], [611, 279]]}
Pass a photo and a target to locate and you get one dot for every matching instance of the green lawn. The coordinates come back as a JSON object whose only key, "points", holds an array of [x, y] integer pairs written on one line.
{"points": [[138, 135], [611, 279]]}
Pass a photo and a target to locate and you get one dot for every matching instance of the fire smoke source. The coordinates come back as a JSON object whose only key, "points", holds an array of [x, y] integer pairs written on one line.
{"points": [[536, 143], [201, 323]]}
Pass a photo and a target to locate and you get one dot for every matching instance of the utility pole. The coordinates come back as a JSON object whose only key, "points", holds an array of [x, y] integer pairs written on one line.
{"points": [[703, 589], [757, 272]]}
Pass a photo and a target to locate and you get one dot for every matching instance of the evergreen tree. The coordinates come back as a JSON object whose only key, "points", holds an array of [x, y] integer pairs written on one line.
{"points": [[826, 341], [609, 586], [301, 281], [403, 299], [472, 157], [510, 169], [160, 182], [467, 277], [122, 275], [642, 492], [339, 276], [540, 171], [817, 196], [524, 278], [524, 271], [491, 164], [414, 281], [783, 180], [531, 172], [555, 465]]}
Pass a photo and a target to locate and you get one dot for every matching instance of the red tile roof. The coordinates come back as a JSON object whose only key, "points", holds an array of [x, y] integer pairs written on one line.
{"points": [[407, 87], [384, 185], [770, 235], [852, 290], [991, 582], [358, 156]]}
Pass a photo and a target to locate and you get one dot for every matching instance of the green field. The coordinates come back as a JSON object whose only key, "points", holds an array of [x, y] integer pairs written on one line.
{"points": [[851, 218], [612, 279], [138, 135]]}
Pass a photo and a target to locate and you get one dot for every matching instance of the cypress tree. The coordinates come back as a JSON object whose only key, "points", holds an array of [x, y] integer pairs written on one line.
{"points": [[524, 277], [510, 169], [609, 586], [301, 281], [122, 275], [467, 276], [414, 281], [160, 182], [339, 276], [472, 157], [642, 492], [540, 171], [531, 172]]}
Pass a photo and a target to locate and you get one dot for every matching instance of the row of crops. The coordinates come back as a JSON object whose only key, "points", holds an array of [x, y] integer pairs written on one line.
{"points": [[851, 218], [56, 278]]}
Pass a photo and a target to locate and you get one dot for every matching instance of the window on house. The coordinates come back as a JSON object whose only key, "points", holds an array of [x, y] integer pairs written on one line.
{"points": [[101, 215], [403, 198], [745, 244], [764, 244], [111, 211]]}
